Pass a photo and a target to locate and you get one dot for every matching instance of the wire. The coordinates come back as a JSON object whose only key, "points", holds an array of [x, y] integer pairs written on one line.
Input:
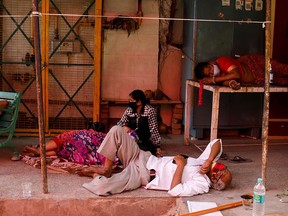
{"points": [[263, 23]]}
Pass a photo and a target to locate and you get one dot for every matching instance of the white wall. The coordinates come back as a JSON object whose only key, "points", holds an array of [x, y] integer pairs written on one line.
{"points": [[130, 62]]}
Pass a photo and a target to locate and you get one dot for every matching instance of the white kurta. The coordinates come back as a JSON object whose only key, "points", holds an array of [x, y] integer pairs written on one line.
{"points": [[192, 181]]}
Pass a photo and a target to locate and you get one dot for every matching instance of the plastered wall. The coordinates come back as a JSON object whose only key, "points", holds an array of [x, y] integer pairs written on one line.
{"points": [[130, 62]]}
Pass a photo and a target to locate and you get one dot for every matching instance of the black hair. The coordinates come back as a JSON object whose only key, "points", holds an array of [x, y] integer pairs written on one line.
{"points": [[97, 126], [139, 95], [199, 70]]}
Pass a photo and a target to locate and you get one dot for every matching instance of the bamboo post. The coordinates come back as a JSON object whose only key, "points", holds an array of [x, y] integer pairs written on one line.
{"points": [[97, 59], [37, 49], [265, 121], [45, 42]]}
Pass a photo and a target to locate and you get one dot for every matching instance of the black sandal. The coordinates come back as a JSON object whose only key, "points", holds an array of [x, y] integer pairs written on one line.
{"points": [[238, 159]]}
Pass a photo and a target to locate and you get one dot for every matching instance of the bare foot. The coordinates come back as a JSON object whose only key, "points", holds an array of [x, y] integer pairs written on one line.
{"points": [[33, 150], [95, 171]]}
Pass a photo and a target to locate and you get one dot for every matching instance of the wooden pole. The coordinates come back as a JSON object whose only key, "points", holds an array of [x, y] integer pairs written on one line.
{"points": [[218, 208], [189, 96], [97, 60], [45, 42], [265, 121], [37, 49]]}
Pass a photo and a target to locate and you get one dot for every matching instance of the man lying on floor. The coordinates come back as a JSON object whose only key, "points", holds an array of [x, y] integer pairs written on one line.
{"points": [[179, 175]]}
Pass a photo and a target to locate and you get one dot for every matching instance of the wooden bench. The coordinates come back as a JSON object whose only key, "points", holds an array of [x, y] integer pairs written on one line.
{"points": [[177, 110], [217, 91], [8, 118]]}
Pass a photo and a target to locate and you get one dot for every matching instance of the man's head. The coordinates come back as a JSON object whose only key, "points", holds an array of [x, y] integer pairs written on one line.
{"points": [[220, 176]]}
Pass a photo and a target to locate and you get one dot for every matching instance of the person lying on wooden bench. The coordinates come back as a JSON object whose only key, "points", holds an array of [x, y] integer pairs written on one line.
{"points": [[247, 70], [179, 175]]}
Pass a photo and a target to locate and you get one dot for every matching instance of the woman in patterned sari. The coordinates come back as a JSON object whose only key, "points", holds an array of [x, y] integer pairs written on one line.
{"points": [[247, 70], [78, 146]]}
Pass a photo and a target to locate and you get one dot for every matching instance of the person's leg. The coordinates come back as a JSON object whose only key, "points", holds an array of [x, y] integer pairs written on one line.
{"points": [[117, 142], [51, 147], [50, 153], [256, 65], [128, 179], [92, 171]]}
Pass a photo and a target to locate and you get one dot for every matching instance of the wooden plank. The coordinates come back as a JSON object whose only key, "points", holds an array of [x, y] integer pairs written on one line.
{"points": [[278, 137], [278, 120], [187, 114], [153, 102], [218, 208], [252, 89], [215, 115]]}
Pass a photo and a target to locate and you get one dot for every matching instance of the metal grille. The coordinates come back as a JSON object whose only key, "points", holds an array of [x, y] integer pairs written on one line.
{"points": [[69, 83], [70, 65]]}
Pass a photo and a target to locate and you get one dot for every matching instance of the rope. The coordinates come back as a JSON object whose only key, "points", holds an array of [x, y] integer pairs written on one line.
{"points": [[263, 23]]}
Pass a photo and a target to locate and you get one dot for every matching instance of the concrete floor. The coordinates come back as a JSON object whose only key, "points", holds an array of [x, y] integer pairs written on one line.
{"points": [[66, 195]]}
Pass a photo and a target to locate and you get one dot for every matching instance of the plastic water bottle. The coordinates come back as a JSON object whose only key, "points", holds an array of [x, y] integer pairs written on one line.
{"points": [[271, 75], [259, 198]]}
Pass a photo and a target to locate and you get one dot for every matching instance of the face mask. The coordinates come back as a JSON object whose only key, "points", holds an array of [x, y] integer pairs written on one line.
{"points": [[133, 106], [216, 70]]}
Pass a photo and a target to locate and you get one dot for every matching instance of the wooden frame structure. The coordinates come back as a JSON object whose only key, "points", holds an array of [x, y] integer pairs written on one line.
{"points": [[217, 91], [265, 89]]}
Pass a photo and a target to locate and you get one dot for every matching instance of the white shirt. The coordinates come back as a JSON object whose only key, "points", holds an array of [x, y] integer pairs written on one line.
{"points": [[192, 181]]}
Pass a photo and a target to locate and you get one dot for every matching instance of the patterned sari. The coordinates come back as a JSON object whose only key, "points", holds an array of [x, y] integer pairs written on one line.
{"points": [[80, 146], [256, 64]]}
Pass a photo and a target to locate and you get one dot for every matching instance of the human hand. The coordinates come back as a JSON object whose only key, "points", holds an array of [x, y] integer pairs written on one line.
{"points": [[133, 135], [159, 152], [180, 160], [206, 166], [208, 80], [234, 85], [126, 128]]}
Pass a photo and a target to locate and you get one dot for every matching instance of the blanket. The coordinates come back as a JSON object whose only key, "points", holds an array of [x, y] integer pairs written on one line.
{"points": [[59, 165]]}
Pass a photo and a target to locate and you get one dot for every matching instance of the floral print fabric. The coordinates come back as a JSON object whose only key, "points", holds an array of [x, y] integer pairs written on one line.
{"points": [[80, 146]]}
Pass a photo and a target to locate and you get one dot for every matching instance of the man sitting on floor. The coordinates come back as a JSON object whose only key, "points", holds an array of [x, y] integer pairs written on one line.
{"points": [[179, 175]]}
